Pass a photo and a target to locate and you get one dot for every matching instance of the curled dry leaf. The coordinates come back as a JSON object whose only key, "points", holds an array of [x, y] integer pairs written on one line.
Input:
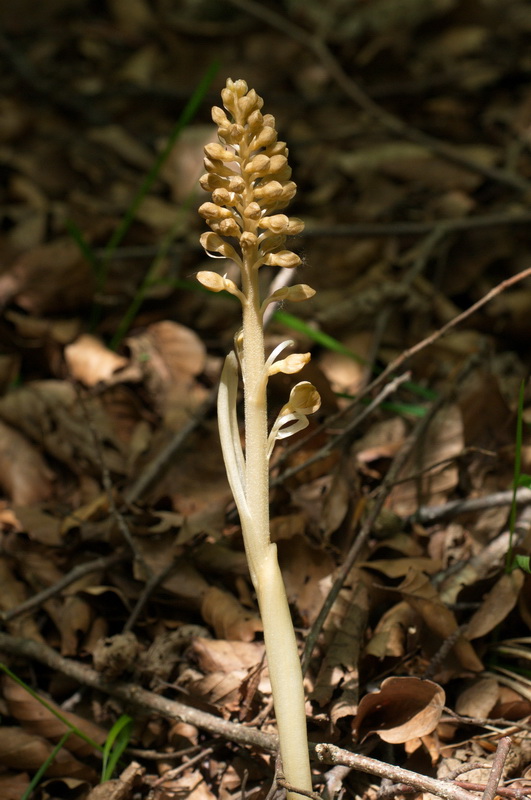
{"points": [[389, 636], [344, 634], [229, 619], [69, 281], [39, 721], [116, 654], [501, 599], [27, 751], [422, 596], [90, 362], [49, 412], [403, 709], [225, 656], [432, 459], [479, 698], [12, 595], [24, 475], [121, 788]]}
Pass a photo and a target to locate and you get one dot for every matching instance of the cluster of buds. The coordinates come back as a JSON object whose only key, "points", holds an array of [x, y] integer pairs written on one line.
{"points": [[249, 177]]}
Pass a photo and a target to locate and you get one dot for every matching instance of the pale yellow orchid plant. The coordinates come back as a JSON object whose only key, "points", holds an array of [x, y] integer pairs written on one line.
{"points": [[249, 177]]}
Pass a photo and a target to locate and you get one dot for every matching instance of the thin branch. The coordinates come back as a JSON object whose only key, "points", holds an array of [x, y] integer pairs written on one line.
{"points": [[426, 515], [77, 572], [133, 696], [330, 754], [498, 764], [436, 335]]}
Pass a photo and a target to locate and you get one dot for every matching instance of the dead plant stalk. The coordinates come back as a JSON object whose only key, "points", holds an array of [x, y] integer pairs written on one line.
{"points": [[249, 177]]}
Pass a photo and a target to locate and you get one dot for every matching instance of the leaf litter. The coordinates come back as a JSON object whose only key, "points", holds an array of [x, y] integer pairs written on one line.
{"points": [[424, 656]]}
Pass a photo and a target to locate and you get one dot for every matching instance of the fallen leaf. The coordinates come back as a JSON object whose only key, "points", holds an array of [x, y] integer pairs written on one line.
{"points": [[228, 617], [403, 709], [24, 474], [478, 699], [90, 362], [495, 607], [422, 596]]}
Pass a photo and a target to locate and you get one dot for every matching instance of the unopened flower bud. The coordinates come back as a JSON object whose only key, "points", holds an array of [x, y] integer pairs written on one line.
{"points": [[266, 137], [217, 151], [283, 258], [222, 197], [219, 116], [290, 365], [229, 227], [268, 191], [277, 163], [213, 211], [295, 226], [259, 165], [252, 211], [278, 223], [255, 121], [248, 240]]}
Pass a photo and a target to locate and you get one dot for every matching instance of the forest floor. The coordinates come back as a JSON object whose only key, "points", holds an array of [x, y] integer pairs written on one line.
{"points": [[131, 652]]}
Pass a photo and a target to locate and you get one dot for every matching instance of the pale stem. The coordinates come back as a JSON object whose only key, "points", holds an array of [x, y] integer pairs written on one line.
{"points": [[281, 644]]}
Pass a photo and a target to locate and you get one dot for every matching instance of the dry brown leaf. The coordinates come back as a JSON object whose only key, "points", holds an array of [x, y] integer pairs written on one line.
{"points": [[90, 362], [224, 656], [49, 412], [336, 502], [344, 635], [303, 569], [39, 721], [229, 619], [222, 690], [69, 279], [431, 465], [403, 709], [26, 751], [61, 331], [13, 786], [398, 567], [12, 595], [116, 654], [498, 603], [422, 596], [122, 788], [191, 785], [478, 699], [39, 524], [24, 475], [389, 638], [412, 162]]}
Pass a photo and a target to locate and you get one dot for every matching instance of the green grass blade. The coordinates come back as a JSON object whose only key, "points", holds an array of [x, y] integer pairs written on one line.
{"points": [[71, 728], [43, 768], [115, 744]]}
